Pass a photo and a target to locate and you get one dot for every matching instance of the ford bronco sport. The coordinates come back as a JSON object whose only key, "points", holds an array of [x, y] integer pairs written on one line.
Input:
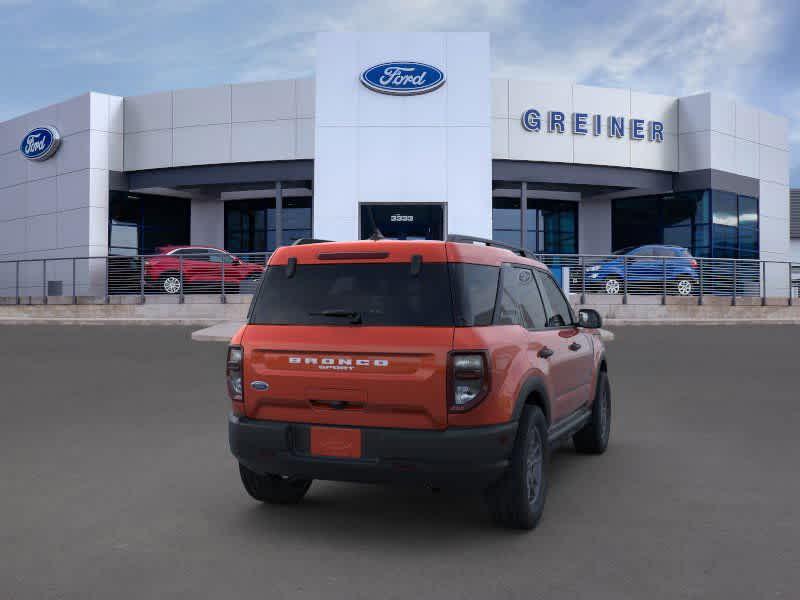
{"points": [[457, 362]]}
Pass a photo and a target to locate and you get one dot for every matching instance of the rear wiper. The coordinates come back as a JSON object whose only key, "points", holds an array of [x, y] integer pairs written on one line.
{"points": [[354, 316]]}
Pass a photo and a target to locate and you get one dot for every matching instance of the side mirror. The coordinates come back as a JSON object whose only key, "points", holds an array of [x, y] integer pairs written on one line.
{"points": [[589, 318], [237, 260]]}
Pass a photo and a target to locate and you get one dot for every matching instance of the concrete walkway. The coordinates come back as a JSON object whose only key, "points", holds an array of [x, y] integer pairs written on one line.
{"points": [[221, 332]]}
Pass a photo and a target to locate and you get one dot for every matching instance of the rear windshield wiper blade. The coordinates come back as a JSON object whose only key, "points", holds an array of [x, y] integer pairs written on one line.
{"points": [[354, 316]]}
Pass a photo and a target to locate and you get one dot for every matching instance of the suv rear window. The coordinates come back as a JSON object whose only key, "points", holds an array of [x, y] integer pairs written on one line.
{"points": [[379, 293]]}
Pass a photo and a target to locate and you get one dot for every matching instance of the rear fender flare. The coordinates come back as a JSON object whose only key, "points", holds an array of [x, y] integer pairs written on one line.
{"points": [[533, 384]]}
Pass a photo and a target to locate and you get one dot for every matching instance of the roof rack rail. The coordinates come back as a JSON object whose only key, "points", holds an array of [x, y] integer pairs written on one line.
{"points": [[469, 239], [304, 241]]}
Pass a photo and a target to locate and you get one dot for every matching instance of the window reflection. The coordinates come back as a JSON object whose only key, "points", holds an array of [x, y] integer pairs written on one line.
{"points": [[706, 222]]}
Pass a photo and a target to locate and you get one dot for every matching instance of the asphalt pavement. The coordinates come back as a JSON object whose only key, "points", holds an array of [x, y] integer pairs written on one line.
{"points": [[116, 482]]}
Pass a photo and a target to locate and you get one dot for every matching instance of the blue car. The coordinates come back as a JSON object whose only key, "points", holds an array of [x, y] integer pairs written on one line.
{"points": [[646, 268]]}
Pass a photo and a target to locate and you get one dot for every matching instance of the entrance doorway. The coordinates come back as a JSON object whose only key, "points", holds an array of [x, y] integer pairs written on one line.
{"points": [[402, 221]]}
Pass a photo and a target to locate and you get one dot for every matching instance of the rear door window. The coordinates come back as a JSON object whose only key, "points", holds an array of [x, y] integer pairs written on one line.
{"points": [[383, 294]]}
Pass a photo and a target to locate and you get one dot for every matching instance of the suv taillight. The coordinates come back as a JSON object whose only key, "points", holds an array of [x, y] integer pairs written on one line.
{"points": [[233, 373], [468, 380]]}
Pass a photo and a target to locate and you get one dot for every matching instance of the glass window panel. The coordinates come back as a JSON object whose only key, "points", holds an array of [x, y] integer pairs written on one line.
{"points": [[505, 213], [701, 251], [533, 219], [506, 236], [725, 209], [290, 236], [124, 235], [724, 252], [382, 293], [748, 239], [702, 236], [678, 236], [724, 235], [559, 312], [475, 290], [678, 210], [506, 185], [748, 211], [247, 223], [120, 251], [403, 221], [702, 212], [296, 213], [636, 222]]}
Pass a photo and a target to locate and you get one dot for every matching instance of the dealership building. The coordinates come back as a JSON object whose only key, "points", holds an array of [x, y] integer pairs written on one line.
{"points": [[407, 134]]}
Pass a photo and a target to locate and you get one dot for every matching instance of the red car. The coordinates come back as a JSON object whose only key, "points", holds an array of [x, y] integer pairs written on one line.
{"points": [[203, 268]]}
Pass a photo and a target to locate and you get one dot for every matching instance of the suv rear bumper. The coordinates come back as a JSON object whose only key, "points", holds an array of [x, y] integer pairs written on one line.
{"points": [[473, 456]]}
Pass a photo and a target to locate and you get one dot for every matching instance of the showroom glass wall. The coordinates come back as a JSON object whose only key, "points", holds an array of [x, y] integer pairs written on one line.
{"points": [[140, 223], [277, 218], [547, 226], [708, 223]]}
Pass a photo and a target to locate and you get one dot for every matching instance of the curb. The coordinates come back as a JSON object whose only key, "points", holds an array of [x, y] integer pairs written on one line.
{"points": [[105, 321], [715, 322]]}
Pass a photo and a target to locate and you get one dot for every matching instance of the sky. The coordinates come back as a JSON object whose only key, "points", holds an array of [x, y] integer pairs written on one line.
{"points": [[747, 49]]}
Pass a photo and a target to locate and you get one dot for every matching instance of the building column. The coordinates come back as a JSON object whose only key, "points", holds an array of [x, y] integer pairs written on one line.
{"points": [[207, 221]]}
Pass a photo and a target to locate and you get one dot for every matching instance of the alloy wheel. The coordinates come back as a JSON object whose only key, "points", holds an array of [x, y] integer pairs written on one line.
{"points": [[684, 287], [612, 286], [172, 285], [534, 465]]}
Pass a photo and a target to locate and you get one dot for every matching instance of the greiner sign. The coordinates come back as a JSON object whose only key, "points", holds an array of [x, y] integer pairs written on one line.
{"points": [[593, 124]]}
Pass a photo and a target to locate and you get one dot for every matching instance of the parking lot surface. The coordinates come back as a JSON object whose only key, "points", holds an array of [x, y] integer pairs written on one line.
{"points": [[116, 482]]}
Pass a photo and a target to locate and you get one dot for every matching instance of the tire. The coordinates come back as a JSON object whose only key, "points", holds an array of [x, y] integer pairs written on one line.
{"points": [[612, 286], [593, 437], [273, 489], [684, 286], [517, 500], [170, 283]]}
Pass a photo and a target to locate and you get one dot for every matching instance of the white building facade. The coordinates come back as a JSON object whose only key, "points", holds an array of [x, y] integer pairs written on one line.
{"points": [[552, 166]]}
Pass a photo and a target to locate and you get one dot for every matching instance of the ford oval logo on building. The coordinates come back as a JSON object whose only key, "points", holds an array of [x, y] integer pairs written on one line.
{"points": [[402, 78], [40, 143]]}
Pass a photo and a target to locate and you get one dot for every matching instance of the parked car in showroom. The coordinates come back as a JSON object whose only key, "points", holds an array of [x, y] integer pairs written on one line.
{"points": [[200, 269], [646, 269]]}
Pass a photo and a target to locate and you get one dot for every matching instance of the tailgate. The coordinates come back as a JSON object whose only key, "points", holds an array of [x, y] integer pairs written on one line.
{"points": [[345, 375]]}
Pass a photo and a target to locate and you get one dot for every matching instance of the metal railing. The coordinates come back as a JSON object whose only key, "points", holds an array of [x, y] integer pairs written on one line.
{"points": [[630, 278], [659, 277], [69, 280]]}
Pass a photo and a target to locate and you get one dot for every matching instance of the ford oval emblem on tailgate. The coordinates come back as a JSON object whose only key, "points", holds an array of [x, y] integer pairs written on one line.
{"points": [[261, 386]]}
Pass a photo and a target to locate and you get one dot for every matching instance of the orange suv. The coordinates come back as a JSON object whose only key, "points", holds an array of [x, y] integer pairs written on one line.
{"points": [[457, 362]]}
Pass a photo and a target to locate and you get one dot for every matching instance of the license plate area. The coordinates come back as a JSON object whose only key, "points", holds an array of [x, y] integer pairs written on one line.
{"points": [[335, 442]]}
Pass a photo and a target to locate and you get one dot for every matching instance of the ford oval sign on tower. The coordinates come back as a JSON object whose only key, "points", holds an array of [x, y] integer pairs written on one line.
{"points": [[40, 143], [402, 78]]}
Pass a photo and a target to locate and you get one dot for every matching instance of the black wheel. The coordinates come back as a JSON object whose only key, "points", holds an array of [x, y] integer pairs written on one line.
{"points": [[273, 489], [517, 500], [593, 437]]}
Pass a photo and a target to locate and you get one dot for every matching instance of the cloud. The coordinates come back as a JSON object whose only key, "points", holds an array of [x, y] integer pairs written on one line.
{"points": [[675, 47]]}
